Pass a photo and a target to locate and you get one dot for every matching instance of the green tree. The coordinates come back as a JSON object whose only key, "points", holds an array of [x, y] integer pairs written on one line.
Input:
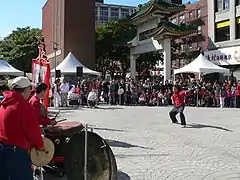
{"points": [[148, 61], [20, 47], [112, 52]]}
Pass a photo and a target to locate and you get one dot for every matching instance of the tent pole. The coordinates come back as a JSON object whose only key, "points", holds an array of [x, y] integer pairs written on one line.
{"points": [[199, 76]]}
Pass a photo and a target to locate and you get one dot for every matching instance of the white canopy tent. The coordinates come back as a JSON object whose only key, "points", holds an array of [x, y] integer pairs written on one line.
{"points": [[201, 65], [7, 70], [69, 64]]}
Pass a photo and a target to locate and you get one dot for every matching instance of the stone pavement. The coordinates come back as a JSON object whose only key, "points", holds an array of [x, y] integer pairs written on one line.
{"points": [[148, 147]]}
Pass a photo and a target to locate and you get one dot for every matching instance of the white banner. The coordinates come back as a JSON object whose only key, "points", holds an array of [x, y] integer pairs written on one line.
{"points": [[224, 56], [39, 73]]}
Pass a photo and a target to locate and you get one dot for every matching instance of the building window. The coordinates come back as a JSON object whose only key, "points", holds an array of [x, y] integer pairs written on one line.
{"points": [[198, 13], [182, 19], [221, 5], [191, 15], [237, 2], [114, 13], [199, 29], [182, 48], [174, 21], [238, 28], [124, 12], [225, 4], [222, 30], [104, 15], [218, 4], [96, 13]]}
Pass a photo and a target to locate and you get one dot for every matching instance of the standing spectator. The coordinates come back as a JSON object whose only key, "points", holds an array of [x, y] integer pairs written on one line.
{"points": [[229, 97], [222, 96], [105, 89], [217, 88], [64, 87], [56, 93], [238, 95]]}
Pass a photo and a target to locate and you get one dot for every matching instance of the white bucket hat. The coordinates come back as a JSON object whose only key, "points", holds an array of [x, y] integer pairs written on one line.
{"points": [[21, 82]]}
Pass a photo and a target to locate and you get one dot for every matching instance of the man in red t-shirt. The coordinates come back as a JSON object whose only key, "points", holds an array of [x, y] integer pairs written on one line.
{"points": [[19, 132], [179, 105], [40, 110]]}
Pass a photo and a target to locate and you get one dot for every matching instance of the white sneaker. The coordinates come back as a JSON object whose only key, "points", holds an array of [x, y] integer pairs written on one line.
{"points": [[183, 126]]}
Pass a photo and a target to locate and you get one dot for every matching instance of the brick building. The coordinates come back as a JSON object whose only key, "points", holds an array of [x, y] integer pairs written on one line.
{"points": [[71, 25], [194, 14]]}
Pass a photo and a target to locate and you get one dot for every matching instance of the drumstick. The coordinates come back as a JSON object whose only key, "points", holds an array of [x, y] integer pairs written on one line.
{"points": [[61, 120], [57, 114]]}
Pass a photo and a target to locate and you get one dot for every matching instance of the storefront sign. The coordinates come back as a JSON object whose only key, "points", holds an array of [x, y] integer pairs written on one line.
{"points": [[224, 56]]}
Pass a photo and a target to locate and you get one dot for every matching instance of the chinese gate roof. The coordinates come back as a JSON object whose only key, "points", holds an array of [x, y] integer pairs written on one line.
{"points": [[166, 28], [160, 5]]}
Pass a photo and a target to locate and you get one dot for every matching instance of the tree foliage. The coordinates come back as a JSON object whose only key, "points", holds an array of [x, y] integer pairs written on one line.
{"points": [[20, 47], [148, 61], [112, 52]]}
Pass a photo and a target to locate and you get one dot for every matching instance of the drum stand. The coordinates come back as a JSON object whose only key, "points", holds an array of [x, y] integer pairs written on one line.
{"points": [[86, 155], [39, 175]]}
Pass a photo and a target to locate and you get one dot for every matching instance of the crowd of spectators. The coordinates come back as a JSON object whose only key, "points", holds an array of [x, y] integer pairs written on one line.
{"points": [[152, 92]]}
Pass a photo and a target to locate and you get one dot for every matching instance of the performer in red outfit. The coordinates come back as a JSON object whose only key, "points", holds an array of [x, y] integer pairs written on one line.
{"points": [[179, 105], [19, 132], [35, 102]]}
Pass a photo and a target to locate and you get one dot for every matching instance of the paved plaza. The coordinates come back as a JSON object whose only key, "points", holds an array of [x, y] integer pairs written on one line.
{"points": [[148, 147]]}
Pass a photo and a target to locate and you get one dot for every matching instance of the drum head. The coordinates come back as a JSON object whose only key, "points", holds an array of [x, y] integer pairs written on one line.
{"points": [[101, 161], [41, 158]]}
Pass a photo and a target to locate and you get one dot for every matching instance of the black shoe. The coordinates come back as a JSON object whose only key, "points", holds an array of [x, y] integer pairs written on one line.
{"points": [[175, 122]]}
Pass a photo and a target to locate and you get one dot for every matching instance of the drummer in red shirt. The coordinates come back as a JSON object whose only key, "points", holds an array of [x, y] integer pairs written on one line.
{"points": [[19, 132], [35, 102], [179, 105]]}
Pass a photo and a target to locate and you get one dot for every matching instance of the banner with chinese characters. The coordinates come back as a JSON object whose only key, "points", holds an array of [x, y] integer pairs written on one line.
{"points": [[224, 56], [41, 74], [41, 70]]}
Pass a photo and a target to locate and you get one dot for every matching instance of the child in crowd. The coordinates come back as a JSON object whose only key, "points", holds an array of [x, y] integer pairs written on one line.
{"points": [[179, 105], [165, 99]]}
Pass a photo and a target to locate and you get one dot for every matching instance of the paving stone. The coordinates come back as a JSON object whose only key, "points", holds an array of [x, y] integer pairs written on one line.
{"points": [[148, 147]]}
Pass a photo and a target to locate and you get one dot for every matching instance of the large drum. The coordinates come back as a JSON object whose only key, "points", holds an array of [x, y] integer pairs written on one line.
{"points": [[69, 142]]}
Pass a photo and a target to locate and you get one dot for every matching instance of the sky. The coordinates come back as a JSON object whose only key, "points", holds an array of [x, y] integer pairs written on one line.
{"points": [[22, 13]]}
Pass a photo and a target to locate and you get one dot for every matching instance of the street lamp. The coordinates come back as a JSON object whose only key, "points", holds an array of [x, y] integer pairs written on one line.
{"points": [[55, 48]]}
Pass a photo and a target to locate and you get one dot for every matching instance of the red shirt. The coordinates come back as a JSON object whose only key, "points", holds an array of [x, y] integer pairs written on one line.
{"points": [[36, 104], [18, 122], [178, 98], [238, 90]]}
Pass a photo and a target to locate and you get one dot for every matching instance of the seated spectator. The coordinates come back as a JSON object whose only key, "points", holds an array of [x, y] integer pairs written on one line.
{"points": [[165, 99], [142, 99], [159, 98], [92, 98], [153, 98]]}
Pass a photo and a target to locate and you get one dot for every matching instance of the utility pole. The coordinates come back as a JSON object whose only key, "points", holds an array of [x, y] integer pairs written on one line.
{"points": [[55, 48]]}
